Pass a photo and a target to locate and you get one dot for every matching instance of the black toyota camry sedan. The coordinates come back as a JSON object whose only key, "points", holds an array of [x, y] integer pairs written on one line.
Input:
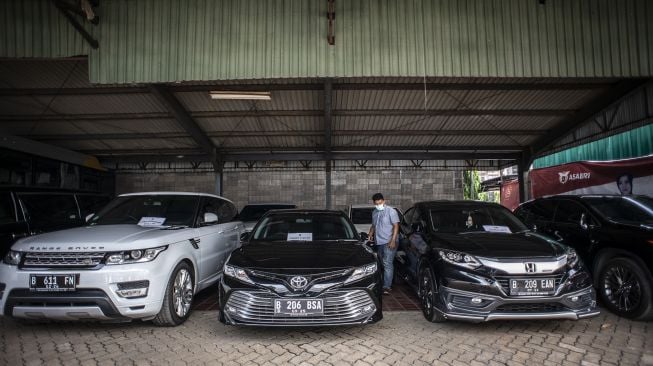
{"points": [[301, 268], [475, 261]]}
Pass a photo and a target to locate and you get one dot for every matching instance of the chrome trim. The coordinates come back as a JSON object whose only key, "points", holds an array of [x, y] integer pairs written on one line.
{"points": [[518, 266], [67, 259], [340, 307], [59, 313]]}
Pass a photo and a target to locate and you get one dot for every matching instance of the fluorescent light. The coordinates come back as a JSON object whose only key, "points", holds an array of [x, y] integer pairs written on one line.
{"points": [[240, 95]]}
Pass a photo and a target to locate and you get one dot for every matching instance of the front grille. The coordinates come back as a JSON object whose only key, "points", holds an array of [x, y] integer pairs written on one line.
{"points": [[313, 277], [530, 308], [62, 260], [504, 281], [339, 307]]}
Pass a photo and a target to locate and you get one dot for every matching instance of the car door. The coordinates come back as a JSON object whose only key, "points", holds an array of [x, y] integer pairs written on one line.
{"points": [[567, 225], [12, 224], [217, 237]]}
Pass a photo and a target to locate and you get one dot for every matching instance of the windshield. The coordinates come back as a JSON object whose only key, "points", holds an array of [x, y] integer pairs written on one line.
{"points": [[304, 227], [255, 212], [151, 210], [629, 210], [362, 215], [475, 219]]}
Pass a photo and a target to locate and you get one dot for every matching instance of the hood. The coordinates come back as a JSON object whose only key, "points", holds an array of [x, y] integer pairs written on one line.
{"points": [[301, 255], [102, 238], [501, 245]]}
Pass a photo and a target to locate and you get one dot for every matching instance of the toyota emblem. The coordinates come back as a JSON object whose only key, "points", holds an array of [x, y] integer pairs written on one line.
{"points": [[298, 282]]}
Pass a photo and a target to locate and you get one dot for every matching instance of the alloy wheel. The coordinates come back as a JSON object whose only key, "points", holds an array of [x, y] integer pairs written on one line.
{"points": [[182, 292], [426, 293], [622, 288]]}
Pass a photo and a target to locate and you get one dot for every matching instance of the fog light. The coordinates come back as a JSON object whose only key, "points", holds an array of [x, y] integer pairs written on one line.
{"points": [[133, 289], [574, 298], [476, 301], [367, 309], [132, 292], [231, 309]]}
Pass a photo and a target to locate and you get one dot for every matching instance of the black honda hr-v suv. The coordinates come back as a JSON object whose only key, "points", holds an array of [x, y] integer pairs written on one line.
{"points": [[475, 261], [301, 268]]}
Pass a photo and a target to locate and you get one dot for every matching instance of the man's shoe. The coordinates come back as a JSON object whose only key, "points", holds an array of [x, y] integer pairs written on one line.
{"points": [[387, 290]]}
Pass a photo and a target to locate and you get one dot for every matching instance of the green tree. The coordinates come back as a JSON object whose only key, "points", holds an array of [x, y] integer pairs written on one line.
{"points": [[472, 186]]}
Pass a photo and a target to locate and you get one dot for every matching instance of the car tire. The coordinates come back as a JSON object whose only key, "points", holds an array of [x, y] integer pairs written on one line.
{"points": [[626, 289], [178, 297], [427, 295]]}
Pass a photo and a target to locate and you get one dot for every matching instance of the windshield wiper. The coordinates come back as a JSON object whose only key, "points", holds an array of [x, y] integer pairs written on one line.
{"points": [[174, 227]]}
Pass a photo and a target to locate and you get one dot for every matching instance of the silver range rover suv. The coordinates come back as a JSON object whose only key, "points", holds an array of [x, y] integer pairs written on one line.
{"points": [[144, 256]]}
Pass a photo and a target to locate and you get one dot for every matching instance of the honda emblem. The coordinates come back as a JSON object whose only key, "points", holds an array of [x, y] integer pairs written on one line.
{"points": [[530, 267]]}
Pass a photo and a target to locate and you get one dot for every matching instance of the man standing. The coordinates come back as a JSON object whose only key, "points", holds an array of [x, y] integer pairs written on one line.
{"points": [[385, 225]]}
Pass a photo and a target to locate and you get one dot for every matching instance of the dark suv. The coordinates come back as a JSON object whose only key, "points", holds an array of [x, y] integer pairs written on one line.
{"points": [[30, 211], [613, 235], [475, 261]]}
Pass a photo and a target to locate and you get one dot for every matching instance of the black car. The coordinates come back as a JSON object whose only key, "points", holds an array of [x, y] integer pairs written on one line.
{"points": [[613, 235], [301, 268], [475, 261], [31, 211]]}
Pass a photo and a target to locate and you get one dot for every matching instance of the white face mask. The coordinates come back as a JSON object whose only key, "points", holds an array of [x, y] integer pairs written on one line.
{"points": [[380, 207]]}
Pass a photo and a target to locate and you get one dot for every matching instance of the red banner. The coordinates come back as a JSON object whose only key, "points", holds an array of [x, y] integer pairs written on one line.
{"points": [[628, 176], [510, 194]]}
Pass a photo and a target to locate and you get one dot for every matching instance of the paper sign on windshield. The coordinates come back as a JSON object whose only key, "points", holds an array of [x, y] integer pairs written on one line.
{"points": [[497, 229], [300, 236], [151, 221]]}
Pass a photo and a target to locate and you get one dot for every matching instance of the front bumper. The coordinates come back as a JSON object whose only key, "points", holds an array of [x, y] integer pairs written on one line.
{"points": [[95, 296], [457, 305], [342, 306]]}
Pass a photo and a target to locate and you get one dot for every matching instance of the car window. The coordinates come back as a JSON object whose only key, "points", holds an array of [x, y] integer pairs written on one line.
{"points": [[90, 203], [475, 219], [49, 208], [224, 209], [406, 222], [623, 209], [569, 212], [523, 212], [303, 227], [149, 210], [542, 210], [7, 209], [362, 215]]}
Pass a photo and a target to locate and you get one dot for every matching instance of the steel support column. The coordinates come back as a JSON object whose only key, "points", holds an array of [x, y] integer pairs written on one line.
{"points": [[523, 164], [327, 141]]}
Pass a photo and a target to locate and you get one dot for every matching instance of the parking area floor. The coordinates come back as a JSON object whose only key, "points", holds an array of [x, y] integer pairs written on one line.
{"points": [[401, 338]]}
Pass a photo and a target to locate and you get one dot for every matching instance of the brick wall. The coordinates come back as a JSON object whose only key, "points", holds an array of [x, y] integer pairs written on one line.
{"points": [[306, 188]]}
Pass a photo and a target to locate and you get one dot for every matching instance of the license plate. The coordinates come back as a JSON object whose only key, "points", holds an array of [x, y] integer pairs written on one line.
{"points": [[535, 286], [298, 307], [53, 283]]}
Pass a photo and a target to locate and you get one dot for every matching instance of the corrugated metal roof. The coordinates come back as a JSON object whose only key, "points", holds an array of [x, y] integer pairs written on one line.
{"points": [[34, 28], [281, 100], [174, 40]]}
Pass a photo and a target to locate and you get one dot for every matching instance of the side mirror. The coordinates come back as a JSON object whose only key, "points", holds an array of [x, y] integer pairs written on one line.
{"points": [[89, 217], [210, 218], [364, 236], [583, 222]]}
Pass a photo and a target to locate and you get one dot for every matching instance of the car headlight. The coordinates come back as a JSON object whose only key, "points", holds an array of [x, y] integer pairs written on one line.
{"points": [[134, 256], [572, 257], [362, 272], [13, 258], [237, 273], [459, 258]]}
